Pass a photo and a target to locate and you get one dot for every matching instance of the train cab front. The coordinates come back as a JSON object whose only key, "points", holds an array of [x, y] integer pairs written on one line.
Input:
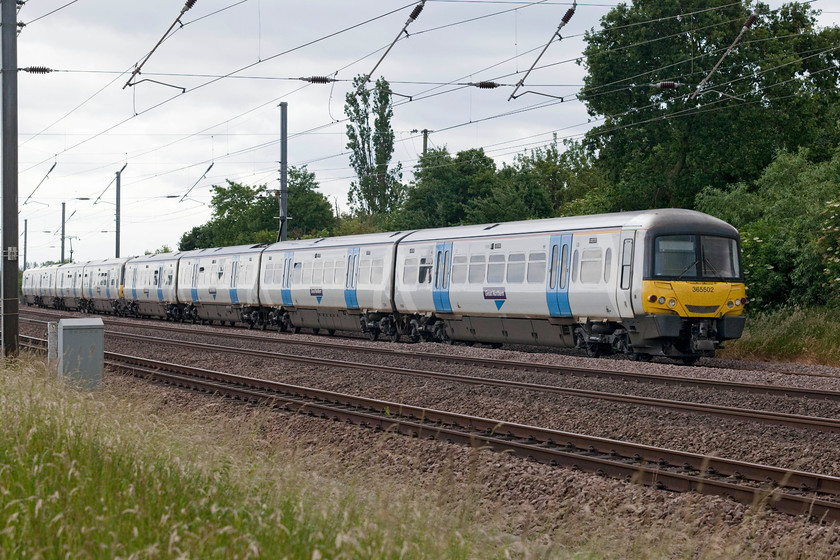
{"points": [[693, 293]]}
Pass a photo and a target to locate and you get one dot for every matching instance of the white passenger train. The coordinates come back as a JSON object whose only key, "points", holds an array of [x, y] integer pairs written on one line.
{"points": [[650, 283]]}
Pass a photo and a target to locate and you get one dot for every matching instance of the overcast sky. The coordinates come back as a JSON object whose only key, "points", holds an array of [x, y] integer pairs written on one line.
{"points": [[82, 118]]}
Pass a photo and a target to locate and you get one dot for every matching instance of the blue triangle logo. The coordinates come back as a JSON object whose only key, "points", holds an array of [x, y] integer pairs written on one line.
{"points": [[214, 297], [499, 303], [319, 299]]}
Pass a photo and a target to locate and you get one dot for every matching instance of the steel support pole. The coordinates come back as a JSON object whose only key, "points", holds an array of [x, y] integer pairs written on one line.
{"points": [[119, 174], [284, 187], [63, 222], [8, 43], [25, 233]]}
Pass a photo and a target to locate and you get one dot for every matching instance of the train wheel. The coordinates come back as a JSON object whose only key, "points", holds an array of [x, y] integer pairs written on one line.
{"points": [[316, 331], [690, 360], [296, 330], [641, 357], [331, 332], [373, 334], [394, 334]]}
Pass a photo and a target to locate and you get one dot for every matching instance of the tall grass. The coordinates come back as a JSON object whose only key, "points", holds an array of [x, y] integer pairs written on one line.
{"points": [[808, 335], [86, 475]]}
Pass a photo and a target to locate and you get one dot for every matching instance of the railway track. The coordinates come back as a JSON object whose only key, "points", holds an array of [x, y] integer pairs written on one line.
{"points": [[766, 417], [560, 370], [788, 491]]}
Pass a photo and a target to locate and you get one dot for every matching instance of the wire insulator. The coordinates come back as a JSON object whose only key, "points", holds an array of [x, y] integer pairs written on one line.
{"points": [[486, 85], [751, 20], [666, 85], [569, 13], [415, 12], [318, 79], [36, 69], [189, 4]]}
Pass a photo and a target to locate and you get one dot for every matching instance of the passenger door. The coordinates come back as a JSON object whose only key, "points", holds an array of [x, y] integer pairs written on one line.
{"points": [[350, 276], [626, 269], [286, 285], [440, 287], [557, 283], [234, 280]]}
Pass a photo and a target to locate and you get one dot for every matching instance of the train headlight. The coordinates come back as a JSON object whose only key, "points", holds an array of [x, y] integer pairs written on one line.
{"points": [[672, 302], [730, 305], [662, 300]]}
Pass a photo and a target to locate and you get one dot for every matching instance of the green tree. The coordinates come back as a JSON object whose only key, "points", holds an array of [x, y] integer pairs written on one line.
{"points": [[776, 90], [444, 186], [788, 221], [377, 190], [310, 212], [244, 215]]}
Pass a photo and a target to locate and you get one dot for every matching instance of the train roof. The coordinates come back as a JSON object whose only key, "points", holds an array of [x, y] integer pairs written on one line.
{"points": [[157, 257], [213, 251], [111, 261], [388, 238], [670, 219]]}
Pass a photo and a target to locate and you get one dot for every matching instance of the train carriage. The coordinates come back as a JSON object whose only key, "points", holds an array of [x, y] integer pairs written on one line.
{"points": [[102, 285], [69, 281], [340, 283], [38, 286], [220, 283], [150, 286], [608, 283]]}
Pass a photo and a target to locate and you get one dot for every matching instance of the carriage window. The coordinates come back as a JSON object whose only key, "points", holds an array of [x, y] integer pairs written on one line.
{"points": [[377, 270], [477, 269], [626, 264], [575, 261], [318, 272], [516, 268], [364, 272], [536, 268], [425, 274], [297, 271], [496, 268], [552, 280], [590, 266], [338, 272], [564, 267], [268, 274], [459, 270], [155, 278], [607, 264], [446, 261], [306, 276], [328, 273], [409, 271]]}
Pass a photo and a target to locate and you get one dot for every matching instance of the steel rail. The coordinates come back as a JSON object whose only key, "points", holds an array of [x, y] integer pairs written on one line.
{"points": [[766, 417], [670, 380]]}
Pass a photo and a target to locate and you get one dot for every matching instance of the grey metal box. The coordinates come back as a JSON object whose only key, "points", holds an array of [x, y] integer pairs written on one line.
{"points": [[81, 351]]}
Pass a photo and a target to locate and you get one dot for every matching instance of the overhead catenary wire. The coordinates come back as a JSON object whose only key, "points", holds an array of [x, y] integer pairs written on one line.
{"points": [[187, 6], [565, 19], [413, 16]]}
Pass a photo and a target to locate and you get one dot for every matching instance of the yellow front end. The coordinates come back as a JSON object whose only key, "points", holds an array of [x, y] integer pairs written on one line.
{"points": [[708, 300]]}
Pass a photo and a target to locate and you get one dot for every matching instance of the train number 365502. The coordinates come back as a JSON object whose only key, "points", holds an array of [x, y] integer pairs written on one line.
{"points": [[709, 289]]}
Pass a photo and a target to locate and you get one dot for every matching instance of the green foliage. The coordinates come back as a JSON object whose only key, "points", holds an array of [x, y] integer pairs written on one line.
{"points": [[660, 147], [244, 215], [163, 249], [788, 222], [377, 189]]}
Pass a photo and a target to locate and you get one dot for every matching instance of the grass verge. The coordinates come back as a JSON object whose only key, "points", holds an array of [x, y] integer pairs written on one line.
{"points": [[89, 475], [795, 334]]}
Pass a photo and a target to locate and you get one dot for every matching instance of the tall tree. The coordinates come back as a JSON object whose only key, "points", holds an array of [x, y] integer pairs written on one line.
{"points": [[243, 214], [444, 187], [777, 89], [377, 189]]}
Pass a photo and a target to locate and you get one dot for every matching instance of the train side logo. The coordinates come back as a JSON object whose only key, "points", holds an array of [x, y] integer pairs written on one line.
{"points": [[497, 295]]}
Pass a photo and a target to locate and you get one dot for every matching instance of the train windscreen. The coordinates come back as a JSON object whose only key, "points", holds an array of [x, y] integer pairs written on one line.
{"points": [[706, 258]]}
